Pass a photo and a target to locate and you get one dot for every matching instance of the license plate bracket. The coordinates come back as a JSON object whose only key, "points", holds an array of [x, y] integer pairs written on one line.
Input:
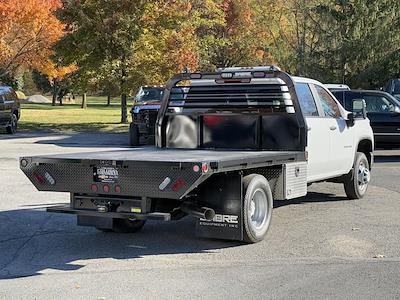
{"points": [[105, 174]]}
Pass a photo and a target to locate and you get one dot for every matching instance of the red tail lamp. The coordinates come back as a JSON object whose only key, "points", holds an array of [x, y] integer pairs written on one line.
{"points": [[93, 188], [106, 188], [117, 189]]}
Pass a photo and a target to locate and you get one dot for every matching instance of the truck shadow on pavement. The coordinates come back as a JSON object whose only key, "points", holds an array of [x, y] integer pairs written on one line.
{"points": [[310, 198], [32, 241]]}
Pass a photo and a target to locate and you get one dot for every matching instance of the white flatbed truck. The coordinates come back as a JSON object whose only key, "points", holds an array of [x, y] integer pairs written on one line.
{"points": [[241, 139]]}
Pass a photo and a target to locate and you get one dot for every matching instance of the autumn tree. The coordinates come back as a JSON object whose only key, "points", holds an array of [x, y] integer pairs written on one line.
{"points": [[176, 34], [56, 76], [28, 30], [102, 36]]}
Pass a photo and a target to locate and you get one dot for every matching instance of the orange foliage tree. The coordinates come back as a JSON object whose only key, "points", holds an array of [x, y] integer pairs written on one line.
{"points": [[28, 30], [55, 74]]}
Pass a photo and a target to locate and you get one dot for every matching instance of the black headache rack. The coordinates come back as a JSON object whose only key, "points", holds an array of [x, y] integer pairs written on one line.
{"points": [[235, 108], [224, 126]]}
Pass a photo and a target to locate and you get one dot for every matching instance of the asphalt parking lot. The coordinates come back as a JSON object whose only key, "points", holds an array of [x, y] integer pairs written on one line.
{"points": [[322, 246]]}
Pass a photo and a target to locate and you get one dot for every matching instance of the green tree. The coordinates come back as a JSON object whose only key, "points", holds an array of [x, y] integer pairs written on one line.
{"points": [[352, 38], [102, 36]]}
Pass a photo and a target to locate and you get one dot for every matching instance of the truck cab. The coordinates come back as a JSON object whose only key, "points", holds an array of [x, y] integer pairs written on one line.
{"points": [[334, 136]]}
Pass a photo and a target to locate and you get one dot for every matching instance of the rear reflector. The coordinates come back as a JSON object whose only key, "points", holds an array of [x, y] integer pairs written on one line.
{"points": [[178, 184], [39, 178]]}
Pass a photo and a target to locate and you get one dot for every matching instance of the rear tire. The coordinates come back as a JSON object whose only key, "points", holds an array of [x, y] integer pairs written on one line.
{"points": [[13, 126], [258, 205], [127, 225], [133, 135], [356, 182]]}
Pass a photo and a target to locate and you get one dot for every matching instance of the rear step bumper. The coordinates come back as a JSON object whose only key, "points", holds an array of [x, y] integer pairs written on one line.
{"points": [[66, 209]]}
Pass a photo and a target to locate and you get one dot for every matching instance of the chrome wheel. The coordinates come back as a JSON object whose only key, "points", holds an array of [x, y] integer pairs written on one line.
{"points": [[258, 210], [363, 176]]}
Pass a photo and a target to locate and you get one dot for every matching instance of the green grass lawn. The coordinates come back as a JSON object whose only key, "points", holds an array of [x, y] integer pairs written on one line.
{"points": [[71, 118]]}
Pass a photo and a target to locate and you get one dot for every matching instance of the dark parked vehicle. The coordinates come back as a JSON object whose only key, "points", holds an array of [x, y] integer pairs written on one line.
{"points": [[383, 110], [393, 87], [144, 113], [9, 109]]}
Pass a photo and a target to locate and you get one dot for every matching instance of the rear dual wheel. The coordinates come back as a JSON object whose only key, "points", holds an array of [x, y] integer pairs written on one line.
{"points": [[258, 205]]}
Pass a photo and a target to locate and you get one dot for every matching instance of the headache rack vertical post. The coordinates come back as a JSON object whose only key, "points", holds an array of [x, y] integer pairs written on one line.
{"points": [[270, 72]]}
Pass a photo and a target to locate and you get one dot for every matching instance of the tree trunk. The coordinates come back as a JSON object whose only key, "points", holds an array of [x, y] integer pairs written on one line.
{"points": [[84, 104], [108, 99], [54, 98], [124, 115]]}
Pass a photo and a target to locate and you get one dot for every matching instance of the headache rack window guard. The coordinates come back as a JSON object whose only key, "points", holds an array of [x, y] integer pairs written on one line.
{"points": [[261, 98]]}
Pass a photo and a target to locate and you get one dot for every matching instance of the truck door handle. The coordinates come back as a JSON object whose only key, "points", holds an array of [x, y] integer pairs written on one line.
{"points": [[308, 128], [333, 127]]}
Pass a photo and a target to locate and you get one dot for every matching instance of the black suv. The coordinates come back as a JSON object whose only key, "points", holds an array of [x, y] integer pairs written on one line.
{"points": [[383, 110], [9, 109]]}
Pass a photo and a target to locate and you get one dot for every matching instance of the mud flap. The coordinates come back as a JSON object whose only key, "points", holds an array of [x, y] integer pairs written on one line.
{"points": [[223, 193]]}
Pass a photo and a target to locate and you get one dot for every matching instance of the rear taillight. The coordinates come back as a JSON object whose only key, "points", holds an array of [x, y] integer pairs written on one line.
{"points": [[106, 188], [93, 188]]}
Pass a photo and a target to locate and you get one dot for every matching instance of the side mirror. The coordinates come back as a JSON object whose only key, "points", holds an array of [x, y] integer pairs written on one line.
{"points": [[360, 107], [350, 119], [397, 110]]}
